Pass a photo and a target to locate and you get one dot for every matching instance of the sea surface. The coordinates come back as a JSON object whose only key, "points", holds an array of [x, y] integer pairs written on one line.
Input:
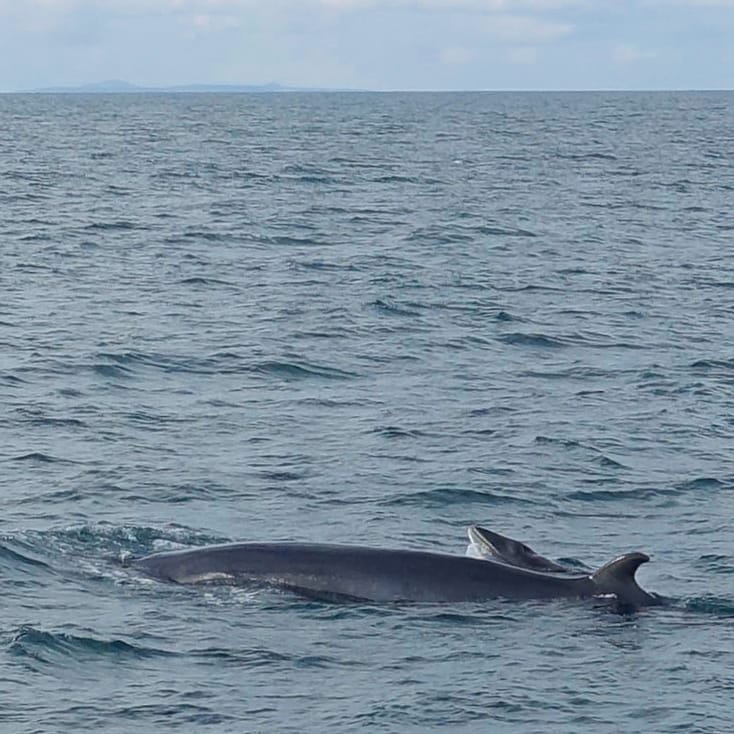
{"points": [[373, 319]]}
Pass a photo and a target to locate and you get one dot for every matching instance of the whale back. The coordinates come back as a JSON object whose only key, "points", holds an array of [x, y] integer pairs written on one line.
{"points": [[386, 575]]}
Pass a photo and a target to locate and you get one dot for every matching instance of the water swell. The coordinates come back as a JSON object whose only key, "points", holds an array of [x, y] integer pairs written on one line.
{"points": [[13, 558], [719, 607], [129, 364], [594, 496], [199, 280], [595, 455], [713, 366], [391, 308], [448, 496], [51, 647], [699, 488], [100, 542], [39, 457], [716, 563], [532, 340], [291, 370], [396, 432], [261, 657], [53, 422]]}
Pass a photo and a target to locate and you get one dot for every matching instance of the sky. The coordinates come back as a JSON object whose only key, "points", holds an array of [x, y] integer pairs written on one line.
{"points": [[371, 44]]}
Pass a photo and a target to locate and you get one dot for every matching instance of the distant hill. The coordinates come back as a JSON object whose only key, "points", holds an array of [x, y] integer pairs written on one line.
{"points": [[116, 86]]}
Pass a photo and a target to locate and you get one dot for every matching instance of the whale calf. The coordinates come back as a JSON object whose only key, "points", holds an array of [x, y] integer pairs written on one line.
{"points": [[486, 544], [384, 575]]}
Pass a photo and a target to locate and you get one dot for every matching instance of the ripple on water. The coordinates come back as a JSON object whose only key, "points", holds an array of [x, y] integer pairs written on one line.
{"points": [[50, 647]]}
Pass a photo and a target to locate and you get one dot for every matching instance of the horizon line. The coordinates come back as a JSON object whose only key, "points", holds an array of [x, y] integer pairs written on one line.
{"points": [[215, 88]]}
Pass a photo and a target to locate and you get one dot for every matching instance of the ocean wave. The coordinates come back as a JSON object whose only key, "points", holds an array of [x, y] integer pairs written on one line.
{"points": [[587, 156], [243, 658], [38, 457], [716, 606], [36, 418], [505, 231], [570, 373], [705, 484], [113, 371], [104, 541], [302, 370], [308, 173], [10, 379], [324, 266], [282, 475], [201, 280], [713, 365], [622, 495], [115, 225], [48, 647], [392, 308], [447, 496], [532, 340], [716, 563], [13, 557], [127, 364], [284, 240], [398, 432]]}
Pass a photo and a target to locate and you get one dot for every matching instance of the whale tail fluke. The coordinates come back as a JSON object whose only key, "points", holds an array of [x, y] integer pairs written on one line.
{"points": [[618, 577]]}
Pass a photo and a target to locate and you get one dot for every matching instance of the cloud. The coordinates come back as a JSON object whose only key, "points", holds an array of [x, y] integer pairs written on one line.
{"points": [[487, 6], [522, 55], [30, 14], [526, 30], [455, 56], [30, 7], [627, 54], [33, 7], [379, 44], [696, 3], [211, 22]]}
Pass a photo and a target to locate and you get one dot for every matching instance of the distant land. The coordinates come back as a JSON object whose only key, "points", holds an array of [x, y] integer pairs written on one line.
{"points": [[116, 86]]}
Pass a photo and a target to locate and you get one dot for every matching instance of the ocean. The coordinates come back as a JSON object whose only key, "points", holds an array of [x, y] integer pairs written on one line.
{"points": [[372, 319]]}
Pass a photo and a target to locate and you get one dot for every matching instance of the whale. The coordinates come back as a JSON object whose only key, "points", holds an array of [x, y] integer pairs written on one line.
{"points": [[488, 544], [350, 572]]}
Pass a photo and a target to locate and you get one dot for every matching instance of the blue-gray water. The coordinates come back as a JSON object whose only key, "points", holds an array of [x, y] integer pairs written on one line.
{"points": [[371, 319]]}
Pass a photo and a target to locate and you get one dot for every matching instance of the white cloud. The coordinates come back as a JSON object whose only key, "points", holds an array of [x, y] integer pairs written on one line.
{"points": [[347, 4], [522, 55], [29, 7], [694, 3], [456, 56], [627, 54], [369, 43], [43, 15], [525, 29], [211, 22], [489, 6]]}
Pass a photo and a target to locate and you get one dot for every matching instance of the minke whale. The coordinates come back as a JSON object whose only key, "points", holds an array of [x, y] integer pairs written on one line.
{"points": [[486, 544], [337, 572]]}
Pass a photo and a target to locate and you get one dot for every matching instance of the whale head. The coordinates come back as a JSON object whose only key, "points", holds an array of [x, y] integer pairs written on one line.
{"points": [[488, 544]]}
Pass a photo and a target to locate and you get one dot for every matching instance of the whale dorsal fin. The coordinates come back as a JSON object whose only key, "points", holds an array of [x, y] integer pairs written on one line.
{"points": [[618, 577]]}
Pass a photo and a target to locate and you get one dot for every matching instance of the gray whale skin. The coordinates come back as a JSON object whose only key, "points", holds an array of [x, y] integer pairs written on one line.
{"points": [[383, 575]]}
